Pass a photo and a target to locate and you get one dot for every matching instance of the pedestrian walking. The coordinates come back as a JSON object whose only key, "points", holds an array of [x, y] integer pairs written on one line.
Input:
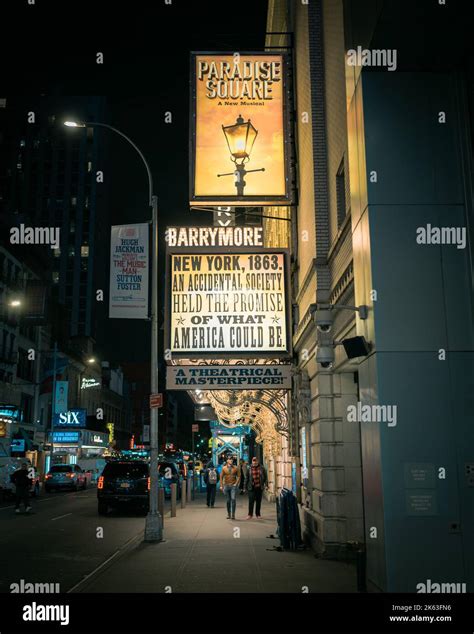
{"points": [[243, 476], [230, 478], [255, 483], [22, 483], [210, 478]]}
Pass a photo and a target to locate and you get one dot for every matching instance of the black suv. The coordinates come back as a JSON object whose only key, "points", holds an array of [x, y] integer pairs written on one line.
{"points": [[123, 483]]}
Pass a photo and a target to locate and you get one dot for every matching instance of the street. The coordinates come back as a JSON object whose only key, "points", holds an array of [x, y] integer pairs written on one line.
{"points": [[57, 542]]}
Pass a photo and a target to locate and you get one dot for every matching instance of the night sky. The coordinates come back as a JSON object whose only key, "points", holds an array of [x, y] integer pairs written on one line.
{"points": [[146, 45], [51, 47]]}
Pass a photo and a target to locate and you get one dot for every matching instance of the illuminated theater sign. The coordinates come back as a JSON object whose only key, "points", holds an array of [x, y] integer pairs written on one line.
{"points": [[226, 302], [214, 237], [239, 141]]}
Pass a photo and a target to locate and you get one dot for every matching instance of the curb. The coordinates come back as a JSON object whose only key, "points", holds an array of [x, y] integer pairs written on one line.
{"points": [[121, 552], [129, 545]]}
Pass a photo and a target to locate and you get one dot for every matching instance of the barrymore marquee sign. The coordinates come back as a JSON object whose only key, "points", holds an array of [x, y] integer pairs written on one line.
{"points": [[226, 297], [214, 237]]}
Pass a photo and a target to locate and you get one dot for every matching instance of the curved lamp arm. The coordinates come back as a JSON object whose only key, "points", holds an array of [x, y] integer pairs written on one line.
{"points": [[93, 124]]}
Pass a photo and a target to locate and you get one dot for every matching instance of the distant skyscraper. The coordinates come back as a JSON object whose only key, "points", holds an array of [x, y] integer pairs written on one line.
{"points": [[53, 183]]}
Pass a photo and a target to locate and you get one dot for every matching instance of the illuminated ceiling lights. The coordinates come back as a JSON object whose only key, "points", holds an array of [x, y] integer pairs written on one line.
{"points": [[264, 411]]}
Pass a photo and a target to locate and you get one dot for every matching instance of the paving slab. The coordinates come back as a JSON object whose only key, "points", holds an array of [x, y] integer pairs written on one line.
{"points": [[203, 551]]}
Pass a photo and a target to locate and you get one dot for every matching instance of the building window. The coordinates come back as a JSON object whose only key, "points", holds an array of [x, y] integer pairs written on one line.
{"points": [[85, 251], [25, 366], [4, 346], [27, 407], [341, 194], [55, 277], [12, 344]]}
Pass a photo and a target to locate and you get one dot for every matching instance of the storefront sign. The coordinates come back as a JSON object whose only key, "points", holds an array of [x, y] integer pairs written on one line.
{"points": [[64, 436], [87, 383], [18, 445], [228, 303], [239, 130], [94, 439], [129, 271], [228, 377], [71, 418], [111, 430], [10, 414]]}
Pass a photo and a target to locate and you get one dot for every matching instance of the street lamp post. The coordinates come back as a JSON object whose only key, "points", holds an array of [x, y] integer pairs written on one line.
{"points": [[153, 525]]}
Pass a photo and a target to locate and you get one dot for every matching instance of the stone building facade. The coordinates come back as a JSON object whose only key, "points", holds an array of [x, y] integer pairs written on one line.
{"points": [[382, 154]]}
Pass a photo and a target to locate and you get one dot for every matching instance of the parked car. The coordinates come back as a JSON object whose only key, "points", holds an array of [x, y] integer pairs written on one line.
{"points": [[8, 466], [182, 468], [65, 476], [123, 483], [169, 474]]}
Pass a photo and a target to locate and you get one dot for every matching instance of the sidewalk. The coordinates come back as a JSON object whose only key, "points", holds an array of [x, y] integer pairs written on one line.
{"points": [[205, 552]]}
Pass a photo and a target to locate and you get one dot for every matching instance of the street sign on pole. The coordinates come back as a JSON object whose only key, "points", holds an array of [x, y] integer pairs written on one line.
{"points": [[195, 428], [156, 401]]}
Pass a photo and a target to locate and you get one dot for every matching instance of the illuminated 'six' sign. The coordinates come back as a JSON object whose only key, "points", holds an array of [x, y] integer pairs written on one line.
{"points": [[85, 383]]}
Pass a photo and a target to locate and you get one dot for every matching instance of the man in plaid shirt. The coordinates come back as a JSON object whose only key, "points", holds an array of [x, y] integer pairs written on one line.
{"points": [[254, 483]]}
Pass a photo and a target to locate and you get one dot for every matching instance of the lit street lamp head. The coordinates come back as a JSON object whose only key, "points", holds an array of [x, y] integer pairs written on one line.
{"points": [[74, 124], [15, 303], [240, 138]]}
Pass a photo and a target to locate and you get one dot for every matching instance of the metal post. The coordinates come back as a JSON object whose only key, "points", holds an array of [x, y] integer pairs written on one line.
{"points": [[161, 504], [194, 469], [53, 402], [153, 525], [183, 493], [189, 488], [37, 377], [174, 487], [239, 179]]}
